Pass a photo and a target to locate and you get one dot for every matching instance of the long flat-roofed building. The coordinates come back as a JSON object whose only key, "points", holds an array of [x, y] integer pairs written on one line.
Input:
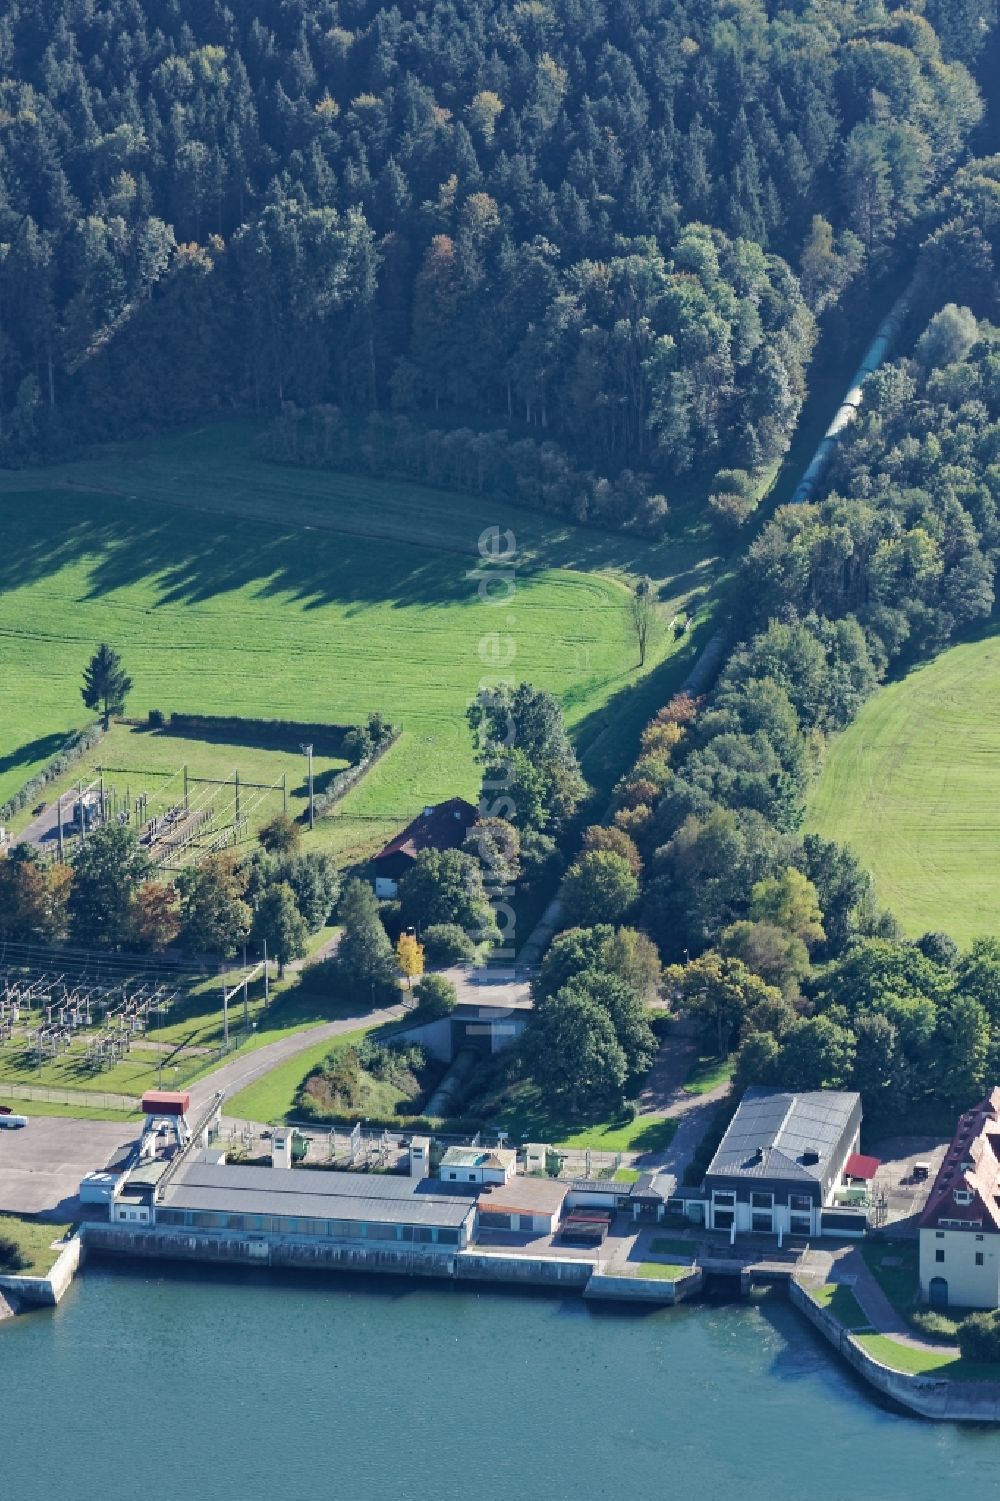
{"points": [[315, 1204]]}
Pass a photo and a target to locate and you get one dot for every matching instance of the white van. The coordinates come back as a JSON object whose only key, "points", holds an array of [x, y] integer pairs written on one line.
{"points": [[12, 1122]]}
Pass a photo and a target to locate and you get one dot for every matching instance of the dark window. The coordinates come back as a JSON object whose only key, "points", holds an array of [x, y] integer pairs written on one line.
{"points": [[799, 1201], [761, 1200], [939, 1255], [979, 1258], [761, 1221]]}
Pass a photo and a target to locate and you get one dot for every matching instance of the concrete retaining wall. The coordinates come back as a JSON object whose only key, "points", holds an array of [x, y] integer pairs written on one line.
{"points": [[188, 1245], [464, 1266], [644, 1289], [537, 1271], [45, 1292], [928, 1396]]}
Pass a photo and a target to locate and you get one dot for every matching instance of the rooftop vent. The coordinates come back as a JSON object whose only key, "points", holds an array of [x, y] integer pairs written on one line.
{"points": [[810, 1157]]}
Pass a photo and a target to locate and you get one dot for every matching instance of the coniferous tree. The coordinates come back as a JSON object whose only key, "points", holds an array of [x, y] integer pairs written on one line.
{"points": [[106, 685]]}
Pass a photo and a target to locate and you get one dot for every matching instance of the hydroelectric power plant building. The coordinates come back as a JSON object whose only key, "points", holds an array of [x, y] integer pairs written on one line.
{"points": [[311, 1202]]}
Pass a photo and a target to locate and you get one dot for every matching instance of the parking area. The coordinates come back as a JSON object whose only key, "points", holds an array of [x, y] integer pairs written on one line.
{"points": [[905, 1193], [42, 1163]]}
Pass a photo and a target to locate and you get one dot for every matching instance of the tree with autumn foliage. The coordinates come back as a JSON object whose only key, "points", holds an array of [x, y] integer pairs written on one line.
{"points": [[34, 897], [156, 916], [410, 957]]}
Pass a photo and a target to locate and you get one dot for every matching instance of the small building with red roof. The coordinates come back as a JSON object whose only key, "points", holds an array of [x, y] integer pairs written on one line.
{"points": [[442, 827], [960, 1225]]}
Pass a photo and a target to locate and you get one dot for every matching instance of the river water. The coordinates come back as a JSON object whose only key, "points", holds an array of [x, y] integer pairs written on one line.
{"points": [[256, 1387]]}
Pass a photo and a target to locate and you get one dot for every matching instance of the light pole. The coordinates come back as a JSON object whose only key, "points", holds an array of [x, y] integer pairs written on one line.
{"points": [[309, 759]]}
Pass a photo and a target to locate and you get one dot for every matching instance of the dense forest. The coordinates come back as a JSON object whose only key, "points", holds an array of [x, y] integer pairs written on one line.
{"points": [[779, 947], [609, 225]]}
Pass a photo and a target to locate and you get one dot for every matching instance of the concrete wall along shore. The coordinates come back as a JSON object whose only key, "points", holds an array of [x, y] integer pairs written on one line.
{"points": [[463, 1266], [626, 1289], [45, 1292], [928, 1396]]}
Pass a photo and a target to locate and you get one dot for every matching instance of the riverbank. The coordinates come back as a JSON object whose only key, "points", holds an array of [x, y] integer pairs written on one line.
{"points": [[970, 1396]]}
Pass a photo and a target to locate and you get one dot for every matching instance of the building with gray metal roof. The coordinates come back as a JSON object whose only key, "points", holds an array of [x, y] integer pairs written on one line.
{"points": [[782, 1160], [315, 1204]]}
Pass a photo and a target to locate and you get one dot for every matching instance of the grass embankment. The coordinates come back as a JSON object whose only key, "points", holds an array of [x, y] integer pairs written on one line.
{"points": [[709, 1073], [841, 1302], [377, 1080], [658, 1271], [526, 1113], [927, 1362], [236, 587], [911, 786], [271, 1098], [901, 1287], [35, 1255]]}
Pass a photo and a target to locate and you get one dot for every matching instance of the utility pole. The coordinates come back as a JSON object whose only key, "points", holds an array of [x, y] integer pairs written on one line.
{"points": [[246, 997], [225, 1014], [284, 792], [309, 758], [236, 775], [267, 976], [62, 850], [187, 800]]}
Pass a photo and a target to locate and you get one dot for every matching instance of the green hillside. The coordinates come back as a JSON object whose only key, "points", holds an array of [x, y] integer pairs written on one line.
{"points": [[912, 785], [235, 587]]}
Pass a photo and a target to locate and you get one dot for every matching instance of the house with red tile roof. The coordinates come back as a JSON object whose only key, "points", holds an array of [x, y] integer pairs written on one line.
{"points": [[960, 1225], [442, 827]]}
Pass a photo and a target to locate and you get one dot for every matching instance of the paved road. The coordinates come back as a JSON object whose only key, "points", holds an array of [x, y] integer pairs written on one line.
{"points": [[43, 831], [247, 1067]]}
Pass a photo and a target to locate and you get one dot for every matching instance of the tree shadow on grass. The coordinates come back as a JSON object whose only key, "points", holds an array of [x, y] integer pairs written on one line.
{"points": [[42, 749], [195, 552]]}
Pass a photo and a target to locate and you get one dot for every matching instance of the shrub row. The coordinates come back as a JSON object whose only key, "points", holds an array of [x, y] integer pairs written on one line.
{"points": [[328, 739], [423, 1124], [77, 746], [351, 775]]}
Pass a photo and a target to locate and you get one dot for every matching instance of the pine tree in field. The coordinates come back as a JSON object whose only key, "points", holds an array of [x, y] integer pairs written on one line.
{"points": [[106, 685]]}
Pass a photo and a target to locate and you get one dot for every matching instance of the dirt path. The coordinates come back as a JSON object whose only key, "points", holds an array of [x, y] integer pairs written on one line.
{"points": [[663, 1095]]}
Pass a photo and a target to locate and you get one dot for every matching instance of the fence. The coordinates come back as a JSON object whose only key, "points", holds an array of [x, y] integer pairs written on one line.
{"points": [[88, 1099]]}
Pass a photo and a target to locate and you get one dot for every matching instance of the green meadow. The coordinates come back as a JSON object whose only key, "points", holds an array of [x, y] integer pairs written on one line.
{"points": [[232, 586], [911, 786]]}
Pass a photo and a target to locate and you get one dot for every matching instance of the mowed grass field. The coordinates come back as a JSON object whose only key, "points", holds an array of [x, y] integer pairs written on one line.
{"points": [[232, 586], [914, 787]]}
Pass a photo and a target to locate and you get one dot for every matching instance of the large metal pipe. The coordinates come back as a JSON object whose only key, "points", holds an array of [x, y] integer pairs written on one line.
{"points": [[885, 337]]}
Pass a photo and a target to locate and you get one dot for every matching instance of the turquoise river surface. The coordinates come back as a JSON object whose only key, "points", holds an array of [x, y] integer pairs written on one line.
{"points": [[248, 1387]]}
